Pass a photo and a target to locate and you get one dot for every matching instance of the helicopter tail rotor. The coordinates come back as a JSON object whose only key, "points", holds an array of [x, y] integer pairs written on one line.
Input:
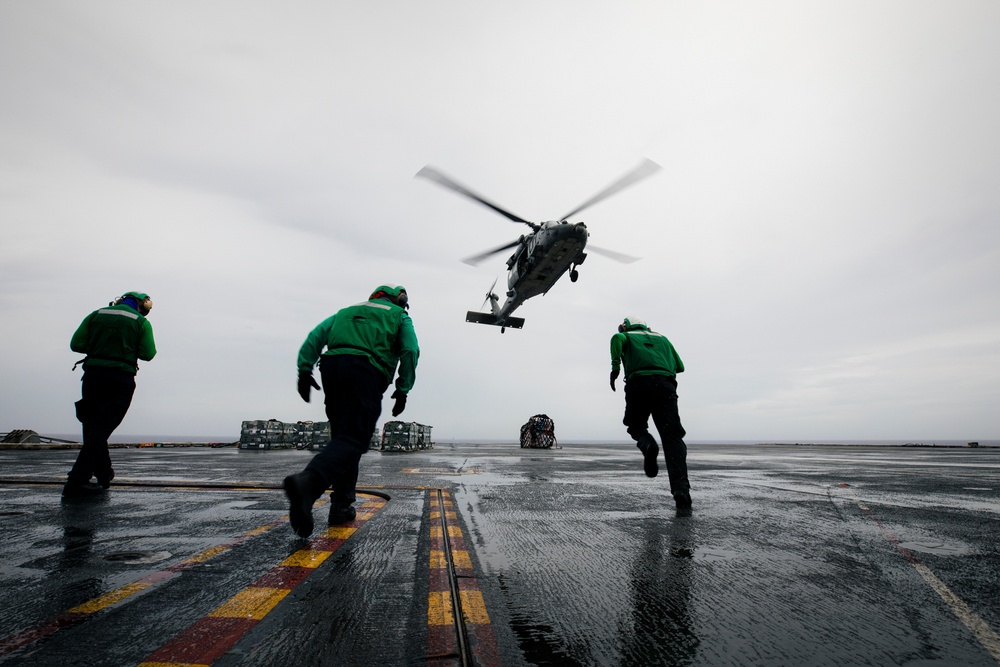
{"points": [[494, 318], [490, 295]]}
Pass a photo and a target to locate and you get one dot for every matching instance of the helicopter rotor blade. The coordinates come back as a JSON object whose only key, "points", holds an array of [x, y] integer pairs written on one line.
{"points": [[490, 293], [611, 254], [645, 168], [434, 175], [475, 259]]}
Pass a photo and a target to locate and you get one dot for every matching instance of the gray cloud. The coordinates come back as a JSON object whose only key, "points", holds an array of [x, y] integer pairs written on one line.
{"points": [[821, 244]]}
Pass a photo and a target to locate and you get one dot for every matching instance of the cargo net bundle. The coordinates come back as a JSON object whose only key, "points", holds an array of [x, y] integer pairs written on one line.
{"points": [[539, 433], [403, 437], [274, 434]]}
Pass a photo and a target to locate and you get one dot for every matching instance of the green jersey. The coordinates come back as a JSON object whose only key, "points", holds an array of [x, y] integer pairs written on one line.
{"points": [[644, 352], [378, 330], [114, 337]]}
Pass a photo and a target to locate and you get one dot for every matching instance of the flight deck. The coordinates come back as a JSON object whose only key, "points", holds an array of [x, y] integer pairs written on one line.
{"points": [[473, 554]]}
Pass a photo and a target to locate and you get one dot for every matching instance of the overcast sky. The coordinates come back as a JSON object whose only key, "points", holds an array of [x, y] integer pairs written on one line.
{"points": [[822, 244]]}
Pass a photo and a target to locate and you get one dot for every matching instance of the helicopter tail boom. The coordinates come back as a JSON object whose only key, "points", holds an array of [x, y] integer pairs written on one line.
{"points": [[490, 318]]}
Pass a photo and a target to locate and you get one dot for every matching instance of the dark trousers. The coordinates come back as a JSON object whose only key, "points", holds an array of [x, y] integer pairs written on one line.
{"points": [[656, 396], [353, 390], [106, 397]]}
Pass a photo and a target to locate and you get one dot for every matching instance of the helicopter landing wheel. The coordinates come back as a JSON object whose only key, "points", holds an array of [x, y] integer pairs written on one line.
{"points": [[573, 275], [502, 329]]}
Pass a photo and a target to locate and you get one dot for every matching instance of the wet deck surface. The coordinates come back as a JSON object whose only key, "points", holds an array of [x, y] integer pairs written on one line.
{"points": [[791, 556]]}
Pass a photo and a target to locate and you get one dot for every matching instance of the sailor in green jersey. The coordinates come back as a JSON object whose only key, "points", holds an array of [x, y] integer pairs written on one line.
{"points": [[651, 368], [114, 339], [364, 344]]}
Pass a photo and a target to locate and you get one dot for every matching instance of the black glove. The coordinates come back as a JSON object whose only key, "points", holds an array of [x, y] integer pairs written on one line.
{"points": [[400, 404], [614, 376], [306, 385]]}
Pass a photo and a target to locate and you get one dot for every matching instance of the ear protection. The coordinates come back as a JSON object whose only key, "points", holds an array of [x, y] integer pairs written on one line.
{"points": [[401, 299], [630, 321], [143, 303]]}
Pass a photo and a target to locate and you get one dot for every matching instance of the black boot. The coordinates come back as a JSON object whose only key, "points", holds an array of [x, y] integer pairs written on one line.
{"points": [[339, 515], [683, 501], [650, 450], [86, 489], [303, 489], [105, 479]]}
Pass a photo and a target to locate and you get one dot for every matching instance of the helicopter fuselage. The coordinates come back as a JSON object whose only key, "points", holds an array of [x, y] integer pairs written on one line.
{"points": [[541, 259]]}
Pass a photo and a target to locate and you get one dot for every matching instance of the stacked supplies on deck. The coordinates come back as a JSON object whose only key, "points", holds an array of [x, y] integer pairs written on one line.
{"points": [[275, 434], [264, 434], [405, 436], [539, 433], [311, 435]]}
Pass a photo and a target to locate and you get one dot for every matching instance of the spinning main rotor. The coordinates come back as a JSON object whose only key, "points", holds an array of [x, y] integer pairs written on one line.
{"points": [[644, 169]]}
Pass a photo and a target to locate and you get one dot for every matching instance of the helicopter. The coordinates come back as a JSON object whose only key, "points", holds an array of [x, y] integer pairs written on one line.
{"points": [[542, 256]]}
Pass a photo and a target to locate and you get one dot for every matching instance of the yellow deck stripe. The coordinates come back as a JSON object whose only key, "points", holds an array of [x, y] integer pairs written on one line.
{"points": [[263, 601], [128, 590], [474, 607], [439, 608], [339, 532], [306, 558], [453, 531], [251, 602], [459, 556], [206, 554], [109, 598]]}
